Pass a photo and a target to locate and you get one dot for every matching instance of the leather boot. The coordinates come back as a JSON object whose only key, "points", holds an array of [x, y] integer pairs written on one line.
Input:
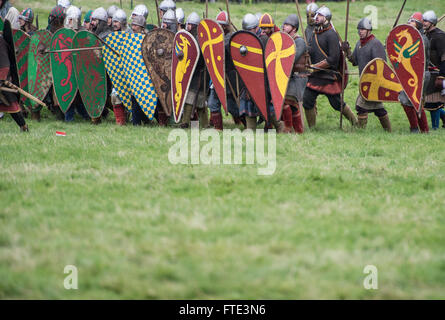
{"points": [[423, 122], [347, 112], [297, 120], [186, 116], [287, 118], [203, 117], [35, 115], [362, 120], [412, 118], [119, 114], [96, 121], [162, 118], [386, 124], [251, 123], [311, 117], [442, 117], [217, 120], [24, 128]]}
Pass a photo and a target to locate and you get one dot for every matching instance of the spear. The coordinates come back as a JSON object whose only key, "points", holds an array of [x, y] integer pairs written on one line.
{"points": [[344, 68], [37, 21], [301, 22], [207, 9], [157, 12], [400, 12], [74, 50], [23, 92]]}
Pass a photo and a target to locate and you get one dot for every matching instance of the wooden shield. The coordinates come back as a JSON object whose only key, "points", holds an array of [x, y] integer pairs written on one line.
{"points": [[39, 69], [211, 42], [62, 68], [157, 51], [184, 62], [115, 67], [247, 55], [21, 45], [378, 82], [90, 73], [138, 77], [406, 52], [279, 56]]}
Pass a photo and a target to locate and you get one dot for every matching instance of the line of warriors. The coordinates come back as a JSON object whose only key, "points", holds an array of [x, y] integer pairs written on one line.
{"points": [[316, 71]]}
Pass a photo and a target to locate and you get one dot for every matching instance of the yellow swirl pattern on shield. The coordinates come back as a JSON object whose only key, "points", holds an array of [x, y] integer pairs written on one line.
{"points": [[209, 43], [181, 69], [378, 81], [280, 76]]}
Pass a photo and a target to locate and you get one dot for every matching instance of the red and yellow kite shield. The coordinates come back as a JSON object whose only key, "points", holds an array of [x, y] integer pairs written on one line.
{"points": [[378, 82], [184, 61], [247, 56], [211, 42], [406, 52], [279, 56]]}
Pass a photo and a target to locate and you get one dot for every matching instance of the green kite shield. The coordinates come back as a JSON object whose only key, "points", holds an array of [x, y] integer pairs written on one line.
{"points": [[157, 50], [90, 73], [115, 67], [21, 46], [2, 23], [138, 77], [64, 79], [39, 69]]}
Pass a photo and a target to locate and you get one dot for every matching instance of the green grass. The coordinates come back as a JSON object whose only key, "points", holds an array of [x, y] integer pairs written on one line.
{"points": [[106, 199]]}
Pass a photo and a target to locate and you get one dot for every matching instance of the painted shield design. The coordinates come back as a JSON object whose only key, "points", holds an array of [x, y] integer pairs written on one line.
{"points": [[406, 52], [247, 55], [279, 56], [378, 82], [211, 42], [2, 23], [21, 44], [157, 50], [39, 69], [62, 67], [184, 61], [90, 73], [115, 67], [138, 77]]}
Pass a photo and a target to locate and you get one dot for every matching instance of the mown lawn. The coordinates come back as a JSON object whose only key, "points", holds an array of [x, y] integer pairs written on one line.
{"points": [[107, 200]]}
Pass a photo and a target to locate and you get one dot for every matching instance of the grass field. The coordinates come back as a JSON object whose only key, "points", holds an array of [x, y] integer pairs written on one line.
{"points": [[107, 200]]}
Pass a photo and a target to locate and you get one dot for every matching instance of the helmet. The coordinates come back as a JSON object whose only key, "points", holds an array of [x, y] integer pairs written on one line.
{"points": [[167, 4], [64, 3], [57, 12], [293, 20], [364, 23], [140, 10], [27, 15], [120, 16], [100, 14], [250, 21], [87, 17], [112, 10], [73, 12], [222, 18], [169, 17], [430, 16], [193, 18], [417, 17], [266, 21], [180, 16], [325, 12], [311, 8], [138, 21]]}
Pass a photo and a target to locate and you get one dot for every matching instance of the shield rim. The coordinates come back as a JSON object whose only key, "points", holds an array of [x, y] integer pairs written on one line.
{"points": [[147, 61], [424, 57], [269, 41], [265, 71], [224, 100], [198, 54], [360, 81], [105, 73], [51, 58]]}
